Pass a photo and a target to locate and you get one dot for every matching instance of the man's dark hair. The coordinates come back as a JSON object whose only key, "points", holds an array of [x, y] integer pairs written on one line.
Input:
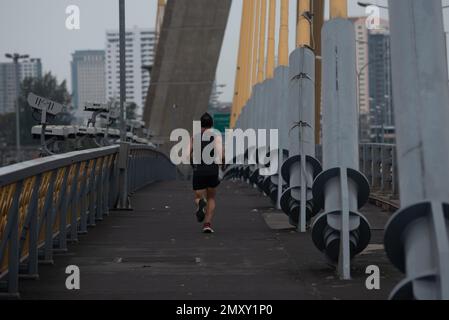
{"points": [[207, 121]]}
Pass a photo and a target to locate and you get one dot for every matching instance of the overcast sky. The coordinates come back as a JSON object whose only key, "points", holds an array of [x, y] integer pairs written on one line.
{"points": [[37, 28]]}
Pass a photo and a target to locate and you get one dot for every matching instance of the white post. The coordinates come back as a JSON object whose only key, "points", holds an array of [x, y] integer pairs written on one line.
{"points": [[417, 239]]}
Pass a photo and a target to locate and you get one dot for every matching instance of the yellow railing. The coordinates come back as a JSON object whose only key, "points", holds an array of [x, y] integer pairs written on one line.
{"points": [[46, 202]]}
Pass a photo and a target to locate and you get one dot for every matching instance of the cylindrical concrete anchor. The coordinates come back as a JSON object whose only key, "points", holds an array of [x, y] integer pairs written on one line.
{"points": [[341, 231], [258, 93], [275, 185], [272, 183], [417, 237], [282, 89], [274, 109], [253, 118], [301, 167], [266, 123], [242, 168], [274, 115]]}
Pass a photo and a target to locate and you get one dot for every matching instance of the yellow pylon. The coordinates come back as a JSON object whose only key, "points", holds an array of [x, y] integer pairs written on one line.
{"points": [[269, 70], [262, 39], [283, 34], [254, 61], [338, 9], [242, 64], [249, 55], [303, 24]]}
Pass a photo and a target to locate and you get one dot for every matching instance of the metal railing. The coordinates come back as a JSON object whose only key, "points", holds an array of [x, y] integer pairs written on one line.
{"points": [[45, 203], [379, 164], [147, 165]]}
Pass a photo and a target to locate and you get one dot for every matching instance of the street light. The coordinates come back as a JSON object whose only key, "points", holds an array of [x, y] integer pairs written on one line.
{"points": [[122, 45], [367, 4], [15, 58]]}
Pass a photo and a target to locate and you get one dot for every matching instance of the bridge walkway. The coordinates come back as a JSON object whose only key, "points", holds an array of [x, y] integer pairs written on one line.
{"points": [[158, 252]]}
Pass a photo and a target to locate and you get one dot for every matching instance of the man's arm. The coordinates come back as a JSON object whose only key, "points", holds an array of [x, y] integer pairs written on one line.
{"points": [[220, 150], [190, 151]]}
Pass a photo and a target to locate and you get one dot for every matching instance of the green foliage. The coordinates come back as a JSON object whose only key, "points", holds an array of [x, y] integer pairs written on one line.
{"points": [[131, 111], [130, 114], [8, 129], [46, 87]]}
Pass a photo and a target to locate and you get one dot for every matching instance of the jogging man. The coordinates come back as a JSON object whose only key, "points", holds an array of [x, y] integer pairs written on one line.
{"points": [[206, 176]]}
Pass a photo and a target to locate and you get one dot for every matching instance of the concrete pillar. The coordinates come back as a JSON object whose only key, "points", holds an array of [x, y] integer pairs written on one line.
{"points": [[318, 21], [416, 239], [300, 169], [341, 231]]}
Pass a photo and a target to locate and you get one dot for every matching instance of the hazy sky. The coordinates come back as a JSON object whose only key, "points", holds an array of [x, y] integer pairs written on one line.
{"points": [[37, 28]]}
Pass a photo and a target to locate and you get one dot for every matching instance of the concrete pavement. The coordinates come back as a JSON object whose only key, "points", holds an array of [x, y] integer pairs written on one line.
{"points": [[158, 252]]}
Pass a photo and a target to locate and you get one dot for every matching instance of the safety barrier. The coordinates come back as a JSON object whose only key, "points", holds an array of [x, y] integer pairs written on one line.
{"points": [[45, 203], [416, 237], [379, 164]]}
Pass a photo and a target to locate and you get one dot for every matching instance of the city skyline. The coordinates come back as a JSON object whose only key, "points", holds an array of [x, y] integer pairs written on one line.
{"points": [[88, 77], [30, 67], [98, 17], [140, 44]]}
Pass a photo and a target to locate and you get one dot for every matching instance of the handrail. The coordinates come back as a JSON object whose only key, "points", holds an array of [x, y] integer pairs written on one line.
{"points": [[23, 170], [46, 202], [379, 163]]}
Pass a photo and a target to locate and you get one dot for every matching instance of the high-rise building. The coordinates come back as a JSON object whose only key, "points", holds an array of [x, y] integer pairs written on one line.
{"points": [[8, 93], [362, 74], [364, 64], [31, 68], [88, 77], [381, 95], [140, 46]]}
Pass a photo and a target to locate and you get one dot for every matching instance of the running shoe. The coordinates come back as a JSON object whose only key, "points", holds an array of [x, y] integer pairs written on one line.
{"points": [[207, 228], [201, 213]]}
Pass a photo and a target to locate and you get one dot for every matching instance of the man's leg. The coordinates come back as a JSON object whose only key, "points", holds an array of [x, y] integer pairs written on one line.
{"points": [[200, 194], [210, 210], [200, 201]]}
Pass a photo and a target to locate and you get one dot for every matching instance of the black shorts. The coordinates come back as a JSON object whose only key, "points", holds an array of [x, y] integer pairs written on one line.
{"points": [[203, 182]]}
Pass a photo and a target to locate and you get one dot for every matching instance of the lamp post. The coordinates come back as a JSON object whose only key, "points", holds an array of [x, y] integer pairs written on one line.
{"points": [[367, 4], [15, 58], [122, 33]]}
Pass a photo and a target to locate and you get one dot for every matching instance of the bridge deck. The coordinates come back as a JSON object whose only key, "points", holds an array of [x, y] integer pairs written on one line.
{"points": [[158, 252]]}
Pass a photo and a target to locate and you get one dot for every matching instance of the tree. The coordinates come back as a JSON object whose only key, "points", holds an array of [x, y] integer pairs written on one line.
{"points": [[7, 129], [131, 109], [46, 87]]}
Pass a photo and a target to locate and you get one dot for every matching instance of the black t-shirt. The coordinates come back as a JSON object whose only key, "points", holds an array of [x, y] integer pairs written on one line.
{"points": [[203, 168]]}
